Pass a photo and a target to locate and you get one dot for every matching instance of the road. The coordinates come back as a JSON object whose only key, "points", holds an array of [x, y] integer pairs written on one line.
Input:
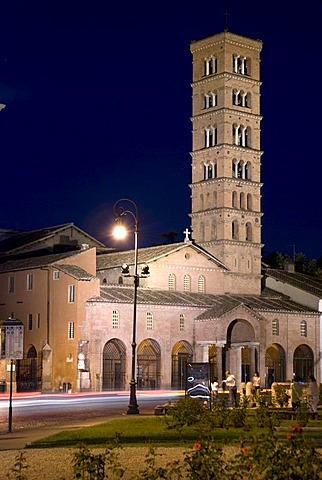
{"points": [[29, 410]]}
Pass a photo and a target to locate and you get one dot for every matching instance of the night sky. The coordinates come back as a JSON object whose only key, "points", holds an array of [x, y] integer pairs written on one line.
{"points": [[98, 106]]}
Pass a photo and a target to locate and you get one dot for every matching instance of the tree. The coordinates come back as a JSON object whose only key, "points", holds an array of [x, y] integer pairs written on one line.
{"points": [[170, 236]]}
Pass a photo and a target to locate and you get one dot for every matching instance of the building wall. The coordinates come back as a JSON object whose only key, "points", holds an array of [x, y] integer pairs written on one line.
{"points": [[51, 311], [166, 332], [186, 261]]}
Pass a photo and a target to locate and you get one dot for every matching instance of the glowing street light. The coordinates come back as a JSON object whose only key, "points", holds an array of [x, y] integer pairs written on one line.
{"points": [[120, 233]]}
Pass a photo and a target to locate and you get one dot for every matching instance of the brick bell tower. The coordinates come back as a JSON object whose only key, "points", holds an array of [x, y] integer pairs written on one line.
{"points": [[226, 156]]}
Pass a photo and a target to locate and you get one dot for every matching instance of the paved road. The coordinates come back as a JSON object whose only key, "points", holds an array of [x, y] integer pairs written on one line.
{"points": [[36, 416]]}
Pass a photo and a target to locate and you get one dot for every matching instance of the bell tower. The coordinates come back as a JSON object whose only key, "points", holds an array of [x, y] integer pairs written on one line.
{"points": [[226, 156]]}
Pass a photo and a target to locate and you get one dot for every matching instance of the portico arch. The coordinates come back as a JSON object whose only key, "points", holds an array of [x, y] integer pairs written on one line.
{"points": [[114, 355], [149, 364], [241, 355], [303, 362], [182, 353], [275, 364]]}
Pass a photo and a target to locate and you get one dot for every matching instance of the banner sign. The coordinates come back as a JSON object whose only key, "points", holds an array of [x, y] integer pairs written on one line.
{"points": [[198, 380], [12, 340]]}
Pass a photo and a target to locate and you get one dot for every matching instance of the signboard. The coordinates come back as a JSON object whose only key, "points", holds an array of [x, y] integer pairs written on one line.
{"points": [[12, 339], [198, 380]]}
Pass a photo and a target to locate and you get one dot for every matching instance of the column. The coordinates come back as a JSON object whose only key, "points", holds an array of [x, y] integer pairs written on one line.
{"points": [[219, 363]]}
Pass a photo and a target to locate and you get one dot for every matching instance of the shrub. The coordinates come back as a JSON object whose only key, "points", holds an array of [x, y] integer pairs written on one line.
{"points": [[187, 411]]}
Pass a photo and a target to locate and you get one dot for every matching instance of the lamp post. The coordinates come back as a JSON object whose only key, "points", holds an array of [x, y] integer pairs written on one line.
{"points": [[120, 232]]}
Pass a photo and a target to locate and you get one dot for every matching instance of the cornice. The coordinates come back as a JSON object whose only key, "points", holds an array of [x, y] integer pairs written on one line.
{"points": [[204, 213], [228, 41], [228, 76], [229, 111], [231, 242], [235, 148], [236, 181]]}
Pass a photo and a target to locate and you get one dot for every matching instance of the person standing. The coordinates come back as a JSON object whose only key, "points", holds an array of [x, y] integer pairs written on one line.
{"points": [[256, 382], [297, 391], [232, 389], [313, 396]]}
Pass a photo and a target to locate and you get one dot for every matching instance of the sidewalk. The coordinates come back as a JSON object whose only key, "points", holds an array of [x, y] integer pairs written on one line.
{"points": [[20, 438]]}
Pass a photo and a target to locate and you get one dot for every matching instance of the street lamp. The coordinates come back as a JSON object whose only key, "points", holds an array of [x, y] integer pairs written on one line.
{"points": [[120, 232]]}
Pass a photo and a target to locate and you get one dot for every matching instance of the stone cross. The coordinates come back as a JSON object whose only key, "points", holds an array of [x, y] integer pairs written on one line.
{"points": [[187, 233]]}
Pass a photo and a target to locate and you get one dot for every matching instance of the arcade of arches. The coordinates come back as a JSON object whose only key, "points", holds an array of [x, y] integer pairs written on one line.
{"points": [[221, 356]]}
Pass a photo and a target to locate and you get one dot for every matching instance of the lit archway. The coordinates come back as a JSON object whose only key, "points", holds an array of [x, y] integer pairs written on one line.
{"points": [[114, 354], [275, 364], [181, 355], [303, 362], [149, 364]]}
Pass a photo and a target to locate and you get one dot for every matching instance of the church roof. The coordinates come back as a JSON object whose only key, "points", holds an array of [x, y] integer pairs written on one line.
{"points": [[304, 282], [216, 305], [148, 255]]}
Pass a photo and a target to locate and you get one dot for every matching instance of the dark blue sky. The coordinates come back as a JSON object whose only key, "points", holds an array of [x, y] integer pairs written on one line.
{"points": [[98, 105]]}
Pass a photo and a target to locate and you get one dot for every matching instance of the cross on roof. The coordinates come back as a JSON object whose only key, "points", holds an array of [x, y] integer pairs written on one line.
{"points": [[187, 233]]}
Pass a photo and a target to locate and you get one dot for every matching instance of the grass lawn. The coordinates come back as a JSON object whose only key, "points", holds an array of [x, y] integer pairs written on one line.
{"points": [[153, 430]]}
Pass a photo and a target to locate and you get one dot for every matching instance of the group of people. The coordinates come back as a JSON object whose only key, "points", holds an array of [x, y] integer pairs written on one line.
{"points": [[230, 383], [297, 391]]}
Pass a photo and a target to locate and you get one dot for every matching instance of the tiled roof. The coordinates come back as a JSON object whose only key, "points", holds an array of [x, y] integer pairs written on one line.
{"points": [[19, 240], [76, 272], [216, 305], [35, 262], [145, 255], [304, 282]]}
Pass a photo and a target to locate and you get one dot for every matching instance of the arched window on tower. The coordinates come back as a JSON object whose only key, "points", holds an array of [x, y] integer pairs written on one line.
{"points": [[201, 284], [210, 100], [210, 137], [209, 171], [240, 135], [240, 65], [186, 283], [249, 232], [172, 282], [210, 66], [235, 232], [240, 98]]}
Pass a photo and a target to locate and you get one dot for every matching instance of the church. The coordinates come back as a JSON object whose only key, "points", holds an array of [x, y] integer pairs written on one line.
{"points": [[206, 299]]}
